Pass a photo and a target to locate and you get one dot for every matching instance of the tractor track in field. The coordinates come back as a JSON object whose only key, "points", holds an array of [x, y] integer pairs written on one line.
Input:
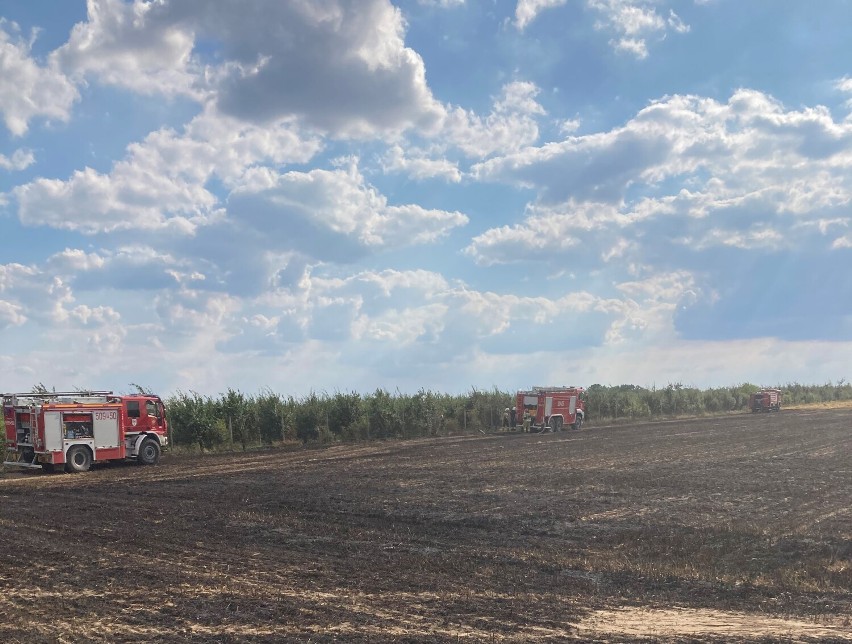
{"points": [[735, 528]]}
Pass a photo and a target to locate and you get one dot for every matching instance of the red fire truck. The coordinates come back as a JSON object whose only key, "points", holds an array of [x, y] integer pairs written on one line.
{"points": [[542, 408], [765, 400], [72, 430]]}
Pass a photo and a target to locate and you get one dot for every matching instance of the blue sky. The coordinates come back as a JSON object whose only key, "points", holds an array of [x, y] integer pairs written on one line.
{"points": [[352, 194]]}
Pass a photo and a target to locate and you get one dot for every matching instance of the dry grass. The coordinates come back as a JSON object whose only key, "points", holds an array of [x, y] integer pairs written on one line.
{"points": [[834, 404]]}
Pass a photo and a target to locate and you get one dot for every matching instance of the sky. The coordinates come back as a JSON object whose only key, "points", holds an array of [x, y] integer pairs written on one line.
{"points": [[346, 195]]}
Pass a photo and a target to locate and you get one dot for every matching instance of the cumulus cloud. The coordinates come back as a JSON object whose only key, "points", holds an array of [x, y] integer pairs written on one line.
{"points": [[718, 173], [92, 202], [550, 233], [340, 66], [383, 311], [10, 315], [422, 308], [161, 183], [118, 45], [334, 213], [73, 260], [511, 125], [39, 296], [29, 90], [420, 164]]}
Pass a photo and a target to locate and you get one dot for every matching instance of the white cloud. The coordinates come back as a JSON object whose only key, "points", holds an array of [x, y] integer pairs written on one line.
{"points": [[19, 160], [28, 90], [418, 164], [325, 212], [617, 250], [510, 125], [95, 316], [674, 22], [10, 315], [633, 22], [542, 234], [128, 198], [46, 301], [842, 242], [527, 10], [118, 45], [74, 260], [759, 237], [12, 275], [417, 306], [161, 184], [340, 66], [845, 85], [401, 326], [635, 46], [630, 18], [199, 315], [735, 174]]}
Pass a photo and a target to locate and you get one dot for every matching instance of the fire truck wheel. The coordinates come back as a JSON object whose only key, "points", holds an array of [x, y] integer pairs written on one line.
{"points": [[578, 423], [556, 424], [79, 459], [149, 452]]}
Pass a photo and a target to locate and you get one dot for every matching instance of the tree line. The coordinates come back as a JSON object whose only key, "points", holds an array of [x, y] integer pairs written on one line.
{"points": [[237, 419]]}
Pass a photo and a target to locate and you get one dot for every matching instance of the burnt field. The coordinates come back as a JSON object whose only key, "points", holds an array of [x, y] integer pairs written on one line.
{"points": [[724, 529]]}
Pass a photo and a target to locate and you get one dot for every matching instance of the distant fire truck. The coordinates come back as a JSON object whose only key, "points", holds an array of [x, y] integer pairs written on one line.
{"points": [[765, 400], [552, 408], [72, 430]]}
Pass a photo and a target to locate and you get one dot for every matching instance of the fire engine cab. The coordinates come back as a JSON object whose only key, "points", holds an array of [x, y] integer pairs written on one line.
{"points": [[72, 430], [541, 408]]}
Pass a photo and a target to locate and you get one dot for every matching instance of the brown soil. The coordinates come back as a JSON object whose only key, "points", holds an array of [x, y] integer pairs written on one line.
{"points": [[715, 530]]}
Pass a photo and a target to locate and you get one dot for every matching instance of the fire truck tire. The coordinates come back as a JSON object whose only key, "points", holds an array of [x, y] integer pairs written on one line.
{"points": [[149, 452], [556, 424], [578, 423], [78, 459]]}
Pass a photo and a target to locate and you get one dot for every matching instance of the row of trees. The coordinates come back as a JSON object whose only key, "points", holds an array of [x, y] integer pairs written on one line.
{"points": [[268, 417], [235, 418]]}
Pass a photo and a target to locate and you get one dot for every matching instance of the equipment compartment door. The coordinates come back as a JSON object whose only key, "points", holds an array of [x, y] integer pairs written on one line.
{"points": [[548, 406], [52, 431], [572, 405], [106, 429]]}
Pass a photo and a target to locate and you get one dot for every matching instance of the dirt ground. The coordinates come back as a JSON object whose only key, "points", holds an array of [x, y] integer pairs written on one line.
{"points": [[734, 529]]}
